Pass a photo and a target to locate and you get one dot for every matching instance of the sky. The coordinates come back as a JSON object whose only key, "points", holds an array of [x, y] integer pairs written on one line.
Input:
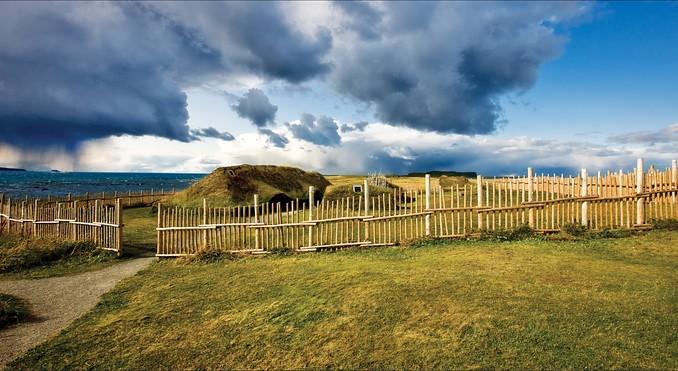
{"points": [[338, 87]]}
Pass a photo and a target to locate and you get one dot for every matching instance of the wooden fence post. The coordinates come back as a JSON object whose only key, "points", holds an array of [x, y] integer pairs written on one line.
{"points": [[35, 218], [479, 189], [427, 217], [96, 219], [2, 210], [204, 222], [366, 193], [9, 214], [310, 214], [674, 177], [75, 219], [530, 196], [584, 193], [158, 246], [640, 187], [23, 217], [119, 222], [58, 216], [620, 180], [256, 220]]}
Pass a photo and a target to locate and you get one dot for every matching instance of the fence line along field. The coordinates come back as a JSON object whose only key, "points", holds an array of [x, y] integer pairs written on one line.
{"points": [[544, 202], [75, 218]]}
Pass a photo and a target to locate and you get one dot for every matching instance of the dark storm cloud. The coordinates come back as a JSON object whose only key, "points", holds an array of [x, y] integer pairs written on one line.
{"points": [[322, 130], [442, 66], [256, 107], [665, 135], [361, 18], [358, 126], [211, 132], [274, 138], [71, 71], [255, 35]]}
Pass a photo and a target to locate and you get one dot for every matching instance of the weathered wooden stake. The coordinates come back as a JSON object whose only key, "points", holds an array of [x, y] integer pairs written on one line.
{"points": [[119, 222], [310, 215], [366, 192], [204, 221], [674, 177], [584, 193], [35, 218], [158, 242], [479, 189], [75, 219], [640, 202], [256, 220], [530, 196], [427, 218], [96, 219]]}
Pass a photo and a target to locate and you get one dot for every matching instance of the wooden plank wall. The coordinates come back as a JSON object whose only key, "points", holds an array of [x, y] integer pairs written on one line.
{"points": [[99, 223], [544, 202]]}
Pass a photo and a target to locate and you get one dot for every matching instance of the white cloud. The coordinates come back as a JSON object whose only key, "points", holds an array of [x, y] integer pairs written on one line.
{"points": [[379, 147]]}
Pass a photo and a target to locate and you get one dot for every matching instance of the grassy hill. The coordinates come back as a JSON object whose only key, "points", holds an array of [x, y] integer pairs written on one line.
{"points": [[598, 303], [237, 185]]}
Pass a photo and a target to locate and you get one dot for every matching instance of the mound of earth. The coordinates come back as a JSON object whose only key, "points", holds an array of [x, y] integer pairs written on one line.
{"points": [[237, 185], [451, 181], [339, 192]]}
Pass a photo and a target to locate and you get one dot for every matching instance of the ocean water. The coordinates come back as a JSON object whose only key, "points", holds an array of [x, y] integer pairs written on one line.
{"points": [[41, 184]]}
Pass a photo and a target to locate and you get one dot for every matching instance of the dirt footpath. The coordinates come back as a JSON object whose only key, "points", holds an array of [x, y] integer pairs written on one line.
{"points": [[56, 302]]}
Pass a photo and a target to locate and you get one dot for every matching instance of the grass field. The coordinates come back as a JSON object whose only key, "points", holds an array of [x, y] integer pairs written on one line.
{"points": [[139, 235], [597, 303], [23, 257], [401, 181]]}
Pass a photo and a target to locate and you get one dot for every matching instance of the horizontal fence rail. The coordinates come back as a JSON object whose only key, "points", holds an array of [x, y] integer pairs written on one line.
{"points": [[97, 222], [127, 199], [546, 203]]}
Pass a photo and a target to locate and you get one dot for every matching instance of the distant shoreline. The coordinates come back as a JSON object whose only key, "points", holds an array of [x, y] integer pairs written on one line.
{"points": [[11, 169]]}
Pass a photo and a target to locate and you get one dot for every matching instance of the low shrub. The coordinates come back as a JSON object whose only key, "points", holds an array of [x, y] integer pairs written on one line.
{"points": [[284, 251], [612, 233], [574, 229], [211, 255], [12, 310], [665, 224], [19, 253], [519, 233]]}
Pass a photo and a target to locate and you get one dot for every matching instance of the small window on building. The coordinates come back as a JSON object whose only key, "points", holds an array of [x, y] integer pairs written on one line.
{"points": [[357, 188]]}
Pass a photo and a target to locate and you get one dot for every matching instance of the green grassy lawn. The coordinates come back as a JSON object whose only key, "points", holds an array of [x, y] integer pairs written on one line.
{"points": [[598, 303], [139, 235]]}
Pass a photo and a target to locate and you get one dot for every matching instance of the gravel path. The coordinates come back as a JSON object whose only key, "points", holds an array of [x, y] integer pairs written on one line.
{"points": [[56, 302]]}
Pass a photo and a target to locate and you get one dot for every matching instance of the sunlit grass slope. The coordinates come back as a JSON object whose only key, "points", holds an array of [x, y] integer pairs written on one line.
{"points": [[599, 303]]}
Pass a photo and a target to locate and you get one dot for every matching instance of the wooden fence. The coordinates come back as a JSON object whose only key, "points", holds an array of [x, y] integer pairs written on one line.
{"points": [[544, 202], [94, 221], [127, 199]]}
